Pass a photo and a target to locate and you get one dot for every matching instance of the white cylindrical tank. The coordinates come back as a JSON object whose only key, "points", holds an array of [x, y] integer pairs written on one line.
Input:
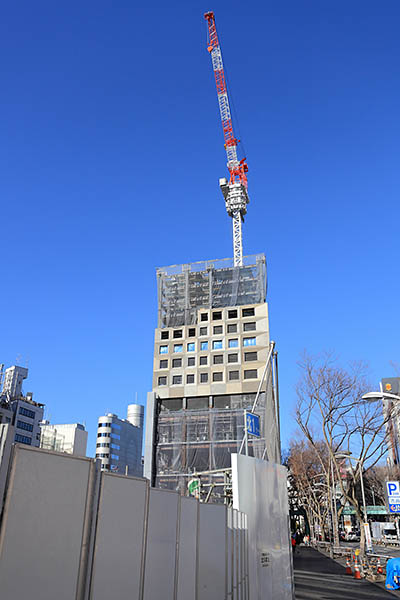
{"points": [[136, 415]]}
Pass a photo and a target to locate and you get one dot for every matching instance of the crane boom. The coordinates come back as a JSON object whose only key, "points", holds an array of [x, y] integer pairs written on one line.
{"points": [[234, 191]]}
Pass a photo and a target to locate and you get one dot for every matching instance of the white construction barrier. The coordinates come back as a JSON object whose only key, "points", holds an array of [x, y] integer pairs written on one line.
{"points": [[72, 533], [260, 491]]}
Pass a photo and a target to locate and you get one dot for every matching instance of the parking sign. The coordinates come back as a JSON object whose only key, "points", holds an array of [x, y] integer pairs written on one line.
{"points": [[393, 492]]}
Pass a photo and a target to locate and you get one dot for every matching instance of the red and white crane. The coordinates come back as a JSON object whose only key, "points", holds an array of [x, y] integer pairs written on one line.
{"points": [[234, 190]]}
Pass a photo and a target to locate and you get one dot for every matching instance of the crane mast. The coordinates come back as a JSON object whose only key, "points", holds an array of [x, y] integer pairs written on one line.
{"points": [[234, 190]]}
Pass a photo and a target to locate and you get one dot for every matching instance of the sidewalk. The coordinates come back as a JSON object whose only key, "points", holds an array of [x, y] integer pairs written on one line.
{"points": [[318, 577]]}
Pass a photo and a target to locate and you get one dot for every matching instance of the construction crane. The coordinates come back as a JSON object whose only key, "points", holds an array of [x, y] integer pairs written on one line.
{"points": [[234, 190]]}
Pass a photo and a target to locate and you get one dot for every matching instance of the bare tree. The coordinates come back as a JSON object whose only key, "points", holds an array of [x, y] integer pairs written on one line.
{"points": [[329, 402], [306, 476]]}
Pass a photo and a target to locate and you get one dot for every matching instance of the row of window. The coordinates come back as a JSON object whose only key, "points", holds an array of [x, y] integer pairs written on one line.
{"points": [[204, 346], [106, 445], [217, 359], [113, 425], [203, 330], [23, 425], [115, 436], [203, 377], [103, 455], [26, 412], [23, 439]]}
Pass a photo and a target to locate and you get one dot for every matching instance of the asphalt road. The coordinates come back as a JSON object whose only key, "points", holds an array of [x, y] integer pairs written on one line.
{"points": [[378, 549], [318, 577]]}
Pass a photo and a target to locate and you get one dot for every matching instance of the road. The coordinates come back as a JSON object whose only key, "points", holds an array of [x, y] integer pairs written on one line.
{"points": [[318, 577], [378, 549]]}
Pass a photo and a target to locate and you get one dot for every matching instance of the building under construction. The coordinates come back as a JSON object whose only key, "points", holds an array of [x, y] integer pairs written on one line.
{"points": [[214, 362], [213, 359]]}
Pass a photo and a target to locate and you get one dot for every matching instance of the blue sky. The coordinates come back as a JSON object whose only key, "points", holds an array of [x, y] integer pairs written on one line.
{"points": [[109, 165]]}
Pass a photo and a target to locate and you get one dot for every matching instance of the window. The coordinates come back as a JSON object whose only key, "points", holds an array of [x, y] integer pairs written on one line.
{"points": [[164, 335], [25, 426], [115, 426], [162, 381], [176, 362], [248, 356], [232, 358], [232, 314], [217, 316], [163, 364], [234, 343], [23, 439], [250, 374], [26, 412], [249, 326], [103, 435], [191, 347], [115, 446], [177, 380], [102, 445], [178, 348], [190, 378], [98, 455], [217, 329], [232, 328], [204, 346], [177, 333], [248, 312], [115, 436], [115, 456], [104, 425], [191, 332], [217, 376], [233, 375], [249, 341], [218, 359], [203, 377], [203, 360], [204, 317], [163, 349], [217, 345], [203, 331], [191, 361]]}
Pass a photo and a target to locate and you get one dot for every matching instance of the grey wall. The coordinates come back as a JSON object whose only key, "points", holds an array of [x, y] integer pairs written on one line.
{"points": [[73, 533]]}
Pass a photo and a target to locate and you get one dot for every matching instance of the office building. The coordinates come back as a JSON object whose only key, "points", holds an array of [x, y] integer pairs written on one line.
{"points": [[26, 414], [213, 359], [391, 385], [119, 442], [70, 438]]}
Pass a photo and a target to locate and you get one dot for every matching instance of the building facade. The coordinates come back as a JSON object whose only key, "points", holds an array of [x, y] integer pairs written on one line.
{"points": [[213, 359], [119, 442], [70, 438], [26, 413]]}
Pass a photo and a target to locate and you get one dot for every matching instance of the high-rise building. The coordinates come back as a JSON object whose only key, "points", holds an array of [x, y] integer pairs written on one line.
{"points": [[26, 413], [70, 438], [213, 359], [119, 441], [391, 385]]}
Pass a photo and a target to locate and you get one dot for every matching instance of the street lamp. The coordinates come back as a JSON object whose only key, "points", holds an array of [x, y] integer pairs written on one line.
{"points": [[375, 396], [359, 461]]}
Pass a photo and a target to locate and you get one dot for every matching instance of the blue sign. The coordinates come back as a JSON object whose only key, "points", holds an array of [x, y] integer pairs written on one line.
{"points": [[252, 424], [393, 488], [394, 508]]}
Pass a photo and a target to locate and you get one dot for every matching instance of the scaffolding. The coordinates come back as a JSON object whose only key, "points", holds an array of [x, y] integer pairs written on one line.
{"points": [[193, 441], [184, 289]]}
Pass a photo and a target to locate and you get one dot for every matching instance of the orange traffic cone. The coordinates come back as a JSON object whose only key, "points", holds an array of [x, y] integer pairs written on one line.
{"points": [[379, 567], [348, 567], [357, 574]]}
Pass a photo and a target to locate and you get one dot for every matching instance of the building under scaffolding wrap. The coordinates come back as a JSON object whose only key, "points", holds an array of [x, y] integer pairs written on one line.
{"points": [[213, 359]]}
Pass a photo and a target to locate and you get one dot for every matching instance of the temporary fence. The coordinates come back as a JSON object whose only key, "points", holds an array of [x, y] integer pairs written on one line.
{"points": [[72, 532]]}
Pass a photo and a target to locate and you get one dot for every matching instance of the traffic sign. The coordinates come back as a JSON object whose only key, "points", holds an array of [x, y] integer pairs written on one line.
{"points": [[252, 424], [393, 488], [394, 508]]}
